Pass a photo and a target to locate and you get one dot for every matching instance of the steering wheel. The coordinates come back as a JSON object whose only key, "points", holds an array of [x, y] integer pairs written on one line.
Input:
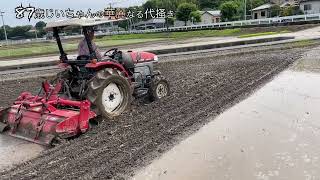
{"points": [[111, 52]]}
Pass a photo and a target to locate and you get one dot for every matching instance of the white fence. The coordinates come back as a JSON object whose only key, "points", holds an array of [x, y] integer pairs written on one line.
{"points": [[267, 21], [22, 41]]}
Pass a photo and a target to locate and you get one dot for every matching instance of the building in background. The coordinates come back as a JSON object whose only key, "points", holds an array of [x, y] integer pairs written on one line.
{"points": [[209, 17], [150, 24], [310, 6], [261, 12]]}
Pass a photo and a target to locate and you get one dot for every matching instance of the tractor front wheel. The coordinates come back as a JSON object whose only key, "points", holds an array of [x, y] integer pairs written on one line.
{"points": [[159, 88], [110, 92]]}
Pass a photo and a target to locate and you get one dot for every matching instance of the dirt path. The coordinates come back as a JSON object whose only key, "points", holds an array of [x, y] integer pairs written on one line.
{"points": [[201, 88]]}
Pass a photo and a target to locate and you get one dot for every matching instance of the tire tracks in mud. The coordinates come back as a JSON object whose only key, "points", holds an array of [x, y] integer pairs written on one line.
{"points": [[149, 126], [184, 123], [115, 149]]}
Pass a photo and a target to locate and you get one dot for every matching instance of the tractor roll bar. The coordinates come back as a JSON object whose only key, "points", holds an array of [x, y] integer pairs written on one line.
{"points": [[63, 55]]}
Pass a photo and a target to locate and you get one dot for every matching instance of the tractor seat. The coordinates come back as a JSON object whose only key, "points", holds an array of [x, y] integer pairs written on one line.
{"points": [[83, 57]]}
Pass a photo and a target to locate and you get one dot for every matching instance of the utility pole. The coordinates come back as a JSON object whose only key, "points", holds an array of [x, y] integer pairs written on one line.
{"points": [[245, 10], [251, 14], [166, 18], [4, 27], [36, 33]]}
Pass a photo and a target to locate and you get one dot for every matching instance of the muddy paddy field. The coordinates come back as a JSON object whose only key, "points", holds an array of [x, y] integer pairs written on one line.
{"points": [[200, 88]]}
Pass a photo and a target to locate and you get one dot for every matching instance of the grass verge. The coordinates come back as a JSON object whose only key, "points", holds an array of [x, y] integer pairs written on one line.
{"points": [[52, 48], [262, 34], [34, 49]]}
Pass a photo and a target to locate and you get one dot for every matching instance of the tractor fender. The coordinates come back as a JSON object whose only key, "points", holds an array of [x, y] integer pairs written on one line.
{"points": [[107, 64]]}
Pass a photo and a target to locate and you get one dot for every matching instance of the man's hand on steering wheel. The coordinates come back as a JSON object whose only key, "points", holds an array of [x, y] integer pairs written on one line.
{"points": [[111, 52]]}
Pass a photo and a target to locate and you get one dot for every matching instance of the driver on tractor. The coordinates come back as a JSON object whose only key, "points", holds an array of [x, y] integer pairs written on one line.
{"points": [[83, 49]]}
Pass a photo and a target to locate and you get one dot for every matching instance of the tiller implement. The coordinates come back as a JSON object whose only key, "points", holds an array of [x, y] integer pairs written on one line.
{"points": [[48, 118], [105, 85]]}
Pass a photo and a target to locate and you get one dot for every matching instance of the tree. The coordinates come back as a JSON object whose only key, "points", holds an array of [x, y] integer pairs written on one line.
{"points": [[178, 2], [229, 11], [166, 4], [124, 25], [170, 21], [207, 4], [40, 28], [290, 11], [150, 4], [184, 10], [40, 25], [211, 4], [195, 16], [20, 31], [2, 35], [286, 11], [275, 10]]}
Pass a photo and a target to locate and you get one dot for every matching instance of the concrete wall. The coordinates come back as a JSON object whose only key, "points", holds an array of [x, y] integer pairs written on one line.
{"points": [[207, 18], [315, 7]]}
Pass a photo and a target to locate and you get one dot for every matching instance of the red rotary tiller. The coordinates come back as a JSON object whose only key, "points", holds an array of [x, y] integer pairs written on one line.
{"points": [[45, 119]]}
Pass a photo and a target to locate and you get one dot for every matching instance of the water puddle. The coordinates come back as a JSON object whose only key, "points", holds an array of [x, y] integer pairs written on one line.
{"points": [[274, 134], [14, 151]]}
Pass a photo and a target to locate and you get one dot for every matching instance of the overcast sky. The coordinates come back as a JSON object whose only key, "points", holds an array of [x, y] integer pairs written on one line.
{"points": [[8, 6]]}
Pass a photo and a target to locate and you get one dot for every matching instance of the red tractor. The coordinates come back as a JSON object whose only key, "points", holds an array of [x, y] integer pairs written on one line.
{"points": [[86, 88]]}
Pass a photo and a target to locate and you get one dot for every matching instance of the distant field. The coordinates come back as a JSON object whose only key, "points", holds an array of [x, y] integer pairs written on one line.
{"points": [[179, 35], [46, 48], [51, 48], [33, 49]]}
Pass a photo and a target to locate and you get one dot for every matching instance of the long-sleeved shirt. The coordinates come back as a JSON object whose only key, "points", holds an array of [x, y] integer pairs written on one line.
{"points": [[84, 50]]}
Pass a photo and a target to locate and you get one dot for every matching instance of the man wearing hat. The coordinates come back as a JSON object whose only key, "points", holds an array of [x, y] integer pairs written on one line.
{"points": [[83, 49]]}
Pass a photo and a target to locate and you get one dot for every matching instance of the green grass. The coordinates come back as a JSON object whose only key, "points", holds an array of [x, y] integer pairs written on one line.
{"points": [[176, 35], [34, 49], [262, 34], [51, 48], [46, 48]]}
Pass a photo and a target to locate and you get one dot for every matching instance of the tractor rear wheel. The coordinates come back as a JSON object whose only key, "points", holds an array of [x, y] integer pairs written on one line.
{"points": [[110, 92]]}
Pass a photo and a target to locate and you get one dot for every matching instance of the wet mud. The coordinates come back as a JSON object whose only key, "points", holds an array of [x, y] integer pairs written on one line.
{"points": [[201, 88]]}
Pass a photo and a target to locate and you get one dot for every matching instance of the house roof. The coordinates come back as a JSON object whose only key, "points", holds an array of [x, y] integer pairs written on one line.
{"points": [[213, 13], [264, 6]]}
